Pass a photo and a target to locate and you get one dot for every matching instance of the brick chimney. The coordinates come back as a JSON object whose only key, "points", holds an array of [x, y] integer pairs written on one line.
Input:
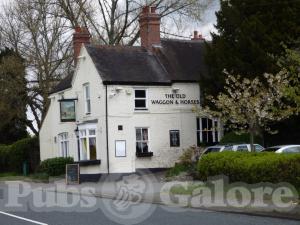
{"points": [[80, 36], [149, 27], [197, 37]]}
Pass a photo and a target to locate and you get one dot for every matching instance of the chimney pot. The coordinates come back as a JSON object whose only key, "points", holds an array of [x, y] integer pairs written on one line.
{"points": [[197, 37]]}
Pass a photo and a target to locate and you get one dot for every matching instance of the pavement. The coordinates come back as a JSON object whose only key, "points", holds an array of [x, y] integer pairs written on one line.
{"points": [[112, 201]]}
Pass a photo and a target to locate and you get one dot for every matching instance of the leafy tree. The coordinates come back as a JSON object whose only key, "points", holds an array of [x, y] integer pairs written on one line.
{"points": [[13, 97], [249, 32], [250, 105]]}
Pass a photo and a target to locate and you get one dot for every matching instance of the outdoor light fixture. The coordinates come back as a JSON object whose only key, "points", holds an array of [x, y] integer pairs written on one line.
{"points": [[175, 90], [77, 136], [118, 89]]}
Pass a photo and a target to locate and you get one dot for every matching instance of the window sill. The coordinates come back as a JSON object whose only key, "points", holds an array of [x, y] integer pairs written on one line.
{"points": [[89, 162], [141, 110], [144, 154]]}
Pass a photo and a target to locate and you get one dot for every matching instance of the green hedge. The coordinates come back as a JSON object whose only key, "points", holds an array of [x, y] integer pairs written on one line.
{"points": [[55, 166], [251, 167], [12, 156]]}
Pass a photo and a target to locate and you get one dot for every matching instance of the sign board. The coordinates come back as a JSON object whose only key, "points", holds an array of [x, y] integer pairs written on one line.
{"points": [[120, 148], [72, 174], [67, 110]]}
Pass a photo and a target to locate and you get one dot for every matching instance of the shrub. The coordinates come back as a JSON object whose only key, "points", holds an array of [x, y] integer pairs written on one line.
{"points": [[233, 137], [12, 156], [55, 166], [251, 167]]}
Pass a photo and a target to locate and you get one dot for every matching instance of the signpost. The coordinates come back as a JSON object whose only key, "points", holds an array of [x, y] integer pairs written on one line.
{"points": [[72, 174]]}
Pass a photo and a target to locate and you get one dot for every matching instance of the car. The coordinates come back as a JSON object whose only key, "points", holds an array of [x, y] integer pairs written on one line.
{"points": [[243, 148], [283, 149], [215, 148]]}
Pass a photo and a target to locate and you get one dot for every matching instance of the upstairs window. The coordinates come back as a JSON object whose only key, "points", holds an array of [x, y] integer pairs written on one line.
{"points": [[174, 138], [87, 99], [63, 144], [140, 99]]}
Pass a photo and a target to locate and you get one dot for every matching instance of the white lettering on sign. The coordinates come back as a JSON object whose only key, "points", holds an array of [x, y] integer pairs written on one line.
{"points": [[175, 99]]}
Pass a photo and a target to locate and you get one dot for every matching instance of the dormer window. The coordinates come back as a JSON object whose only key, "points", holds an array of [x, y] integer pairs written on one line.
{"points": [[87, 98]]}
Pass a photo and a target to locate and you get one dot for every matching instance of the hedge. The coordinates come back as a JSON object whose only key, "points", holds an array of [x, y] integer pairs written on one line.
{"points": [[55, 166], [251, 167], [13, 156]]}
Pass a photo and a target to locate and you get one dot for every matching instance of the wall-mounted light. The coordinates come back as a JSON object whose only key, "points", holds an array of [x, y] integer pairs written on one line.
{"points": [[175, 90], [128, 92], [118, 89]]}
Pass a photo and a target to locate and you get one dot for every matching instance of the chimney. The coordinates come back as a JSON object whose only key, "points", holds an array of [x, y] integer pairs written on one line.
{"points": [[149, 27], [81, 36], [197, 37]]}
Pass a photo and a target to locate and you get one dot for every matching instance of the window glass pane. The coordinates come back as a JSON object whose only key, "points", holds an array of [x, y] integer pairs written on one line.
{"points": [[144, 146], [138, 147], [174, 138], [82, 133], [198, 138], [210, 124], [140, 93], [145, 134], [88, 106], [83, 148], [140, 103], [87, 91], [138, 132], [92, 145], [204, 123], [92, 132], [198, 124]]}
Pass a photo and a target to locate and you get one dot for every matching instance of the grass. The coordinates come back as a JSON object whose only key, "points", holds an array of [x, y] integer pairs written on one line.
{"points": [[180, 190], [36, 177]]}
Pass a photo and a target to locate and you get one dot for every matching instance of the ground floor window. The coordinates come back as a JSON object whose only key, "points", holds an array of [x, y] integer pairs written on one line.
{"points": [[63, 144], [142, 140], [174, 138], [207, 131], [88, 143]]}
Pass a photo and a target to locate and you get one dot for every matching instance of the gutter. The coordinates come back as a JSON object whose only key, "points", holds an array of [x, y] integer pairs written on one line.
{"points": [[106, 126]]}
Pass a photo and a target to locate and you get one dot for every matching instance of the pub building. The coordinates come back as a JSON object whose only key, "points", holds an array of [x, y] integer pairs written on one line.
{"points": [[129, 107]]}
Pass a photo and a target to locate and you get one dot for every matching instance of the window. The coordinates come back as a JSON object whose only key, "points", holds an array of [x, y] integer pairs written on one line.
{"points": [[87, 98], [120, 127], [174, 138], [242, 148], [63, 144], [207, 131], [291, 150], [142, 140], [88, 149], [140, 99]]}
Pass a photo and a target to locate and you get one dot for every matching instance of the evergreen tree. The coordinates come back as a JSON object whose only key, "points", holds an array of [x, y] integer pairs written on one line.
{"points": [[250, 37], [13, 97]]}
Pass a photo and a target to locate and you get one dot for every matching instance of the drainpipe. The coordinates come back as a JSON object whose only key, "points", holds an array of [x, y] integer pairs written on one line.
{"points": [[106, 121]]}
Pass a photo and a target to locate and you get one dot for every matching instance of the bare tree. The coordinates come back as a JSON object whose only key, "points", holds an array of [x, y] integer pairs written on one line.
{"points": [[34, 29], [40, 31]]}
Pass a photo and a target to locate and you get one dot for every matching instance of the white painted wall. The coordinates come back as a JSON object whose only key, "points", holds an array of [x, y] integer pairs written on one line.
{"points": [[159, 119]]}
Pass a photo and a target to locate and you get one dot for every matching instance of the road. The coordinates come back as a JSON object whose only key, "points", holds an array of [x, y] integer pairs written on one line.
{"points": [[99, 211]]}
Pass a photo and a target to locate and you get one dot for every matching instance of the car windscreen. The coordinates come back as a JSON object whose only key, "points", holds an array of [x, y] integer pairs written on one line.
{"points": [[273, 149]]}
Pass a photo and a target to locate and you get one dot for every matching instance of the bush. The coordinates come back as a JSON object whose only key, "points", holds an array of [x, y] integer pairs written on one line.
{"points": [[13, 156], [234, 138], [251, 167], [55, 166]]}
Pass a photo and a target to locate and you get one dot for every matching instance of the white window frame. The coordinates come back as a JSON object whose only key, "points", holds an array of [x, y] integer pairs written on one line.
{"points": [[143, 141], [63, 142], [87, 136], [87, 98], [214, 128], [139, 98]]}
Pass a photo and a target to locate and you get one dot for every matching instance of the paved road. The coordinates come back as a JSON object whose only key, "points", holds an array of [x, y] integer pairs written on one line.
{"points": [[110, 212]]}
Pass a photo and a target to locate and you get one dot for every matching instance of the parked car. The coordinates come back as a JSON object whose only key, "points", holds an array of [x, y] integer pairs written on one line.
{"points": [[243, 148], [215, 148], [283, 149]]}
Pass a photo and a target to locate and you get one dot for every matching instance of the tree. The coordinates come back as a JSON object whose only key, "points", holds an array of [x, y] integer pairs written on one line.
{"points": [[40, 32], [13, 97], [249, 32], [250, 104]]}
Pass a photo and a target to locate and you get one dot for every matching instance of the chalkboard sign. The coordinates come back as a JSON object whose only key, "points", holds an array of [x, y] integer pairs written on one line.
{"points": [[72, 174]]}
